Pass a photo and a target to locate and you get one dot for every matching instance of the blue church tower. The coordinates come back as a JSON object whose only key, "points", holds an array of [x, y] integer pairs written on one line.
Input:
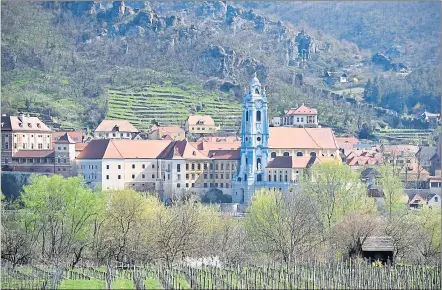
{"points": [[254, 144]]}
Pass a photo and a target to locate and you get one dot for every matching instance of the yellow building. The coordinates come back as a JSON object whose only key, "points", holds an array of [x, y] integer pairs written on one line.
{"points": [[200, 124], [175, 133]]}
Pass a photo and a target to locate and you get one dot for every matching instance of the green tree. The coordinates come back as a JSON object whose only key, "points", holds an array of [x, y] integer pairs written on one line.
{"points": [[280, 224], [337, 190], [61, 212], [393, 190]]}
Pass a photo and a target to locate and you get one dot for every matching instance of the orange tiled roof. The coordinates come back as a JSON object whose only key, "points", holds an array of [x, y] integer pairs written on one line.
{"points": [[206, 119], [301, 110], [80, 146], [117, 149], [224, 154], [302, 138], [123, 126]]}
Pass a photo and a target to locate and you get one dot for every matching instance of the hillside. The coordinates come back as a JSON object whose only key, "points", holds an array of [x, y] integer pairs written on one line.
{"points": [[79, 62]]}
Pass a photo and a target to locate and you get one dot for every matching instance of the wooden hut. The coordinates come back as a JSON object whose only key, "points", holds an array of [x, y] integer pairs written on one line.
{"points": [[378, 248]]}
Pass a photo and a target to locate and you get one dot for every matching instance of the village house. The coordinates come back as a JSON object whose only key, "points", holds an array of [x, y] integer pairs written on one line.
{"points": [[414, 176], [347, 143], [424, 156], [301, 116], [333, 77], [433, 200], [200, 124], [432, 119], [24, 133], [115, 129], [175, 133], [435, 184]]}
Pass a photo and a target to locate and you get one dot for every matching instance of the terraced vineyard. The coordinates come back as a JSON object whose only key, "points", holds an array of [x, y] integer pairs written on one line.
{"points": [[403, 136], [171, 105]]}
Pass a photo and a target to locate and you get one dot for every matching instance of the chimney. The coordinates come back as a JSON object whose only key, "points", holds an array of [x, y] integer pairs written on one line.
{"points": [[21, 116]]}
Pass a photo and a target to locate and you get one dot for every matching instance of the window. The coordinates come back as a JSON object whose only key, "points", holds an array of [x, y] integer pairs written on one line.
{"points": [[211, 166], [274, 177], [133, 166], [434, 184], [280, 178], [205, 185], [64, 169], [286, 179], [58, 169], [64, 160], [47, 146], [199, 166], [119, 176], [216, 184], [24, 145], [178, 185], [259, 177], [133, 176], [205, 166], [119, 166], [193, 184], [32, 145], [187, 185], [64, 148], [211, 175], [222, 176], [436, 199], [273, 155], [143, 166], [313, 154], [6, 146], [286, 154], [299, 153], [168, 176], [297, 119], [193, 176], [221, 185], [178, 167], [258, 139], [107, 166], [270, 177], [153, 166], [107, 176], [247, 116], [302, 119], [15, 145], [187, 166], [258, 116], [178, 176], [114, 134], [143, 176], [193, 166], [205, 176], [216, 176], [257, 91], [153, 175]]}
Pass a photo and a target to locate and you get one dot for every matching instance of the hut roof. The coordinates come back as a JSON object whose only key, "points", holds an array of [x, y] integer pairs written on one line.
{"points": [[378, 244]]}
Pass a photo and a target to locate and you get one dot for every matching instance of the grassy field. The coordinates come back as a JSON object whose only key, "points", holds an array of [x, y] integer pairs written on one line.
{"points": [[357, 92], [170, 105], [83, 284]]}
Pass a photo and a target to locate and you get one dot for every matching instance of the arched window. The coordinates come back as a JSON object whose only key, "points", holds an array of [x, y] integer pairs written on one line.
{"points": [[270, 177], [256, 91], [299, 153], [239, 178], [313, 154], [286, 154], [247, 160], [273, 155], [258, 116], [247, 116], [259, 177], [258, 163]]}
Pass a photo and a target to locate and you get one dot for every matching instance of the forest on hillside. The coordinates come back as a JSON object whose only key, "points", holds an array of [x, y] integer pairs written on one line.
{"points": [[63, 60]]}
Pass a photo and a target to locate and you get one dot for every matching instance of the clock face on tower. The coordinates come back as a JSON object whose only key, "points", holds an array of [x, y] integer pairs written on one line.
{"points": [[258, 104]]}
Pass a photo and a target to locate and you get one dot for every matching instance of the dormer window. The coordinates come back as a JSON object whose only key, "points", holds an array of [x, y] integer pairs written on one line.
{"points": [[194, 153], [29, 125], [38, 125], [20, 124]]}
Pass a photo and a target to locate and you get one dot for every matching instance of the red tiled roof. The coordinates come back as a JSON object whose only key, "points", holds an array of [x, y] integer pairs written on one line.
{"points": [[13, 123], [34, 154], [291, 162], [76, 136], [224, 154], [218, 139], [66, 139], [302, 138], [301, 110], [167, 129], [80, 146]]}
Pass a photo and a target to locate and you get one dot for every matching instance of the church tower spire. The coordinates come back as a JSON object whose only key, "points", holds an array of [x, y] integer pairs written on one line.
{"points": [[254, 143]]}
